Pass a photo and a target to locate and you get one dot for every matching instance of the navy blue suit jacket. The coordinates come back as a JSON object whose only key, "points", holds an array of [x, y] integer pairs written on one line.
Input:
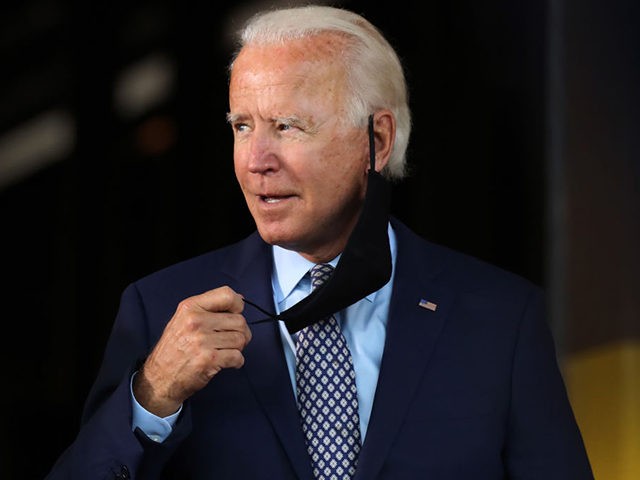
{"points": [[471, 390]]}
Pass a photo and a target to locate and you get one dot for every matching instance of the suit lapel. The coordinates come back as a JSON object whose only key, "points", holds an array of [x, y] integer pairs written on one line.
{"points": [[265, 364], [412, 333]]}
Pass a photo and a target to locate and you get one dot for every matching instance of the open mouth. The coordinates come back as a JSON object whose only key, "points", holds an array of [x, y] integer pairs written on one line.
{"points": [[274, 198]]}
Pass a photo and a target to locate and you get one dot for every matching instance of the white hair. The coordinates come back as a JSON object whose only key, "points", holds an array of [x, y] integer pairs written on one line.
{"points": [[374, 71]]}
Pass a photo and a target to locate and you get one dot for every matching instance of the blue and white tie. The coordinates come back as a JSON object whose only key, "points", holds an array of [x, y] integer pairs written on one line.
{"points": [[327, 396]]}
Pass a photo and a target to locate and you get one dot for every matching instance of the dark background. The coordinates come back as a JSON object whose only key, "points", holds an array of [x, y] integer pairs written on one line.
{"points": [[497, 98]]}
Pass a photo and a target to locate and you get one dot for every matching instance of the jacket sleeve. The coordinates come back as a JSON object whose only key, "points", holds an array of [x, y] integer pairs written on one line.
{"points": [[106, 447]]}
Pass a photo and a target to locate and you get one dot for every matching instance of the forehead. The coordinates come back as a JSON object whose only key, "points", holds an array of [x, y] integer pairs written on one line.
{"points": [[315, 54], [307, 70]]}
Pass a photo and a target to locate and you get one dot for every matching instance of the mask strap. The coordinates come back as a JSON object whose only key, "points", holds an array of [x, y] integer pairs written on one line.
{"points": [[372, 145]]}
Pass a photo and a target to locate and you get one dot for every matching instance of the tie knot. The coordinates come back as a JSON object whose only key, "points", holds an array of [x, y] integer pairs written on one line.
{"points": [[320, 273]]}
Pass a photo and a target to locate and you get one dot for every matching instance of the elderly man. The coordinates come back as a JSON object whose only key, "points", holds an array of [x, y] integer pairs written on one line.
{"points": [[445, 369]]}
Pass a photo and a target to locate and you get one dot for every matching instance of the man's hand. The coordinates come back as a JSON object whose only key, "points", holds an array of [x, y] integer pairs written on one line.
{"points": [[206, 334]]}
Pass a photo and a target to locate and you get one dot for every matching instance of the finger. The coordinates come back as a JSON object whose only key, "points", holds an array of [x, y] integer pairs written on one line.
{"points": [[237, 328], [221, 299], [229, 340], [227, 358]]}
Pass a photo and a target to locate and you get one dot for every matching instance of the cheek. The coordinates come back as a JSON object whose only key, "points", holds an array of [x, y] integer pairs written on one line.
{"points": [[342, 165], [353, 147], [345, 182], [349, 170]]}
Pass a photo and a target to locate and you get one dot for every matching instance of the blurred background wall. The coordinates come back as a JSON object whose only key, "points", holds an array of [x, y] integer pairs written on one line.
{"points": [[596, 270], [116, 160]]}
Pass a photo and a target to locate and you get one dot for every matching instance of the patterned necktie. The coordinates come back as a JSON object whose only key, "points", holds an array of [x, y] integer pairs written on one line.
{"points": [[327, 397]]}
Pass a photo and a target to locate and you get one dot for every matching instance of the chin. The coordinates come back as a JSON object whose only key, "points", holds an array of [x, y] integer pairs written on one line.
{"points": [[274, 236]]}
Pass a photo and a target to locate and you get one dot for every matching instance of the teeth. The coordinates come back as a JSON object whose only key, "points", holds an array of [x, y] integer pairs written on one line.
{"points": [[271, 200]]}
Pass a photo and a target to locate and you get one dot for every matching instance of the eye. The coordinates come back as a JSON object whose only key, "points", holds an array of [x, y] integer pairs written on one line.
{"points": [[283, 127], [239, 127]]}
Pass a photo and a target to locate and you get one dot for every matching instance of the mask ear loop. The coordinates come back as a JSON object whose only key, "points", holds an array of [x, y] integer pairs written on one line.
{"points": [[269, 316], [372, 145]]}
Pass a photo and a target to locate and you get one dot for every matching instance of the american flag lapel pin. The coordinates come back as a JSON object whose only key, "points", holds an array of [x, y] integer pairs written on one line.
{"points": [[427, 304]]}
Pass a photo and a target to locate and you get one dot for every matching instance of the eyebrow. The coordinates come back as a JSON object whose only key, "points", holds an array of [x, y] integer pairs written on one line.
{"points": [[234, 117]]}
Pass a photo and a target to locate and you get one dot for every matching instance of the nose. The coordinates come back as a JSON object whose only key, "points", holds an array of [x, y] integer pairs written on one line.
{"points": [[263, 155]]}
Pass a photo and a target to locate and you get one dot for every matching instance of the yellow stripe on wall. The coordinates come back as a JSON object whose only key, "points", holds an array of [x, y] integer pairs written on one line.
{"points": [[604, 388]]}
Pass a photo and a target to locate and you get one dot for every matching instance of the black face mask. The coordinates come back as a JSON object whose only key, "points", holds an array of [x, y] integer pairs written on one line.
{"points": [[365, 263]]}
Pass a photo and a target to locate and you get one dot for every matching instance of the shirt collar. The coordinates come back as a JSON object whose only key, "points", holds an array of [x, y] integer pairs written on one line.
{"points": [[289, 267]]}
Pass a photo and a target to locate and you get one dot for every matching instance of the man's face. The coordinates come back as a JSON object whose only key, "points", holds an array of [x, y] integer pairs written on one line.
{"points": [[301, 169]]}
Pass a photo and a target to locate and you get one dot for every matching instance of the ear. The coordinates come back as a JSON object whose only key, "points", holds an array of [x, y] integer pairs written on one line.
{"points": [[384, 133]]}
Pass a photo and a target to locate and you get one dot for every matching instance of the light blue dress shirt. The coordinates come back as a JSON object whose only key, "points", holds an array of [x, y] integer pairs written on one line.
{"points": [[363, 324]]}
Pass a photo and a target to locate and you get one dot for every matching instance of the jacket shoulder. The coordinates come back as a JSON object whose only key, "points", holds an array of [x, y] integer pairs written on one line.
{"points": [[205, 271]]}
